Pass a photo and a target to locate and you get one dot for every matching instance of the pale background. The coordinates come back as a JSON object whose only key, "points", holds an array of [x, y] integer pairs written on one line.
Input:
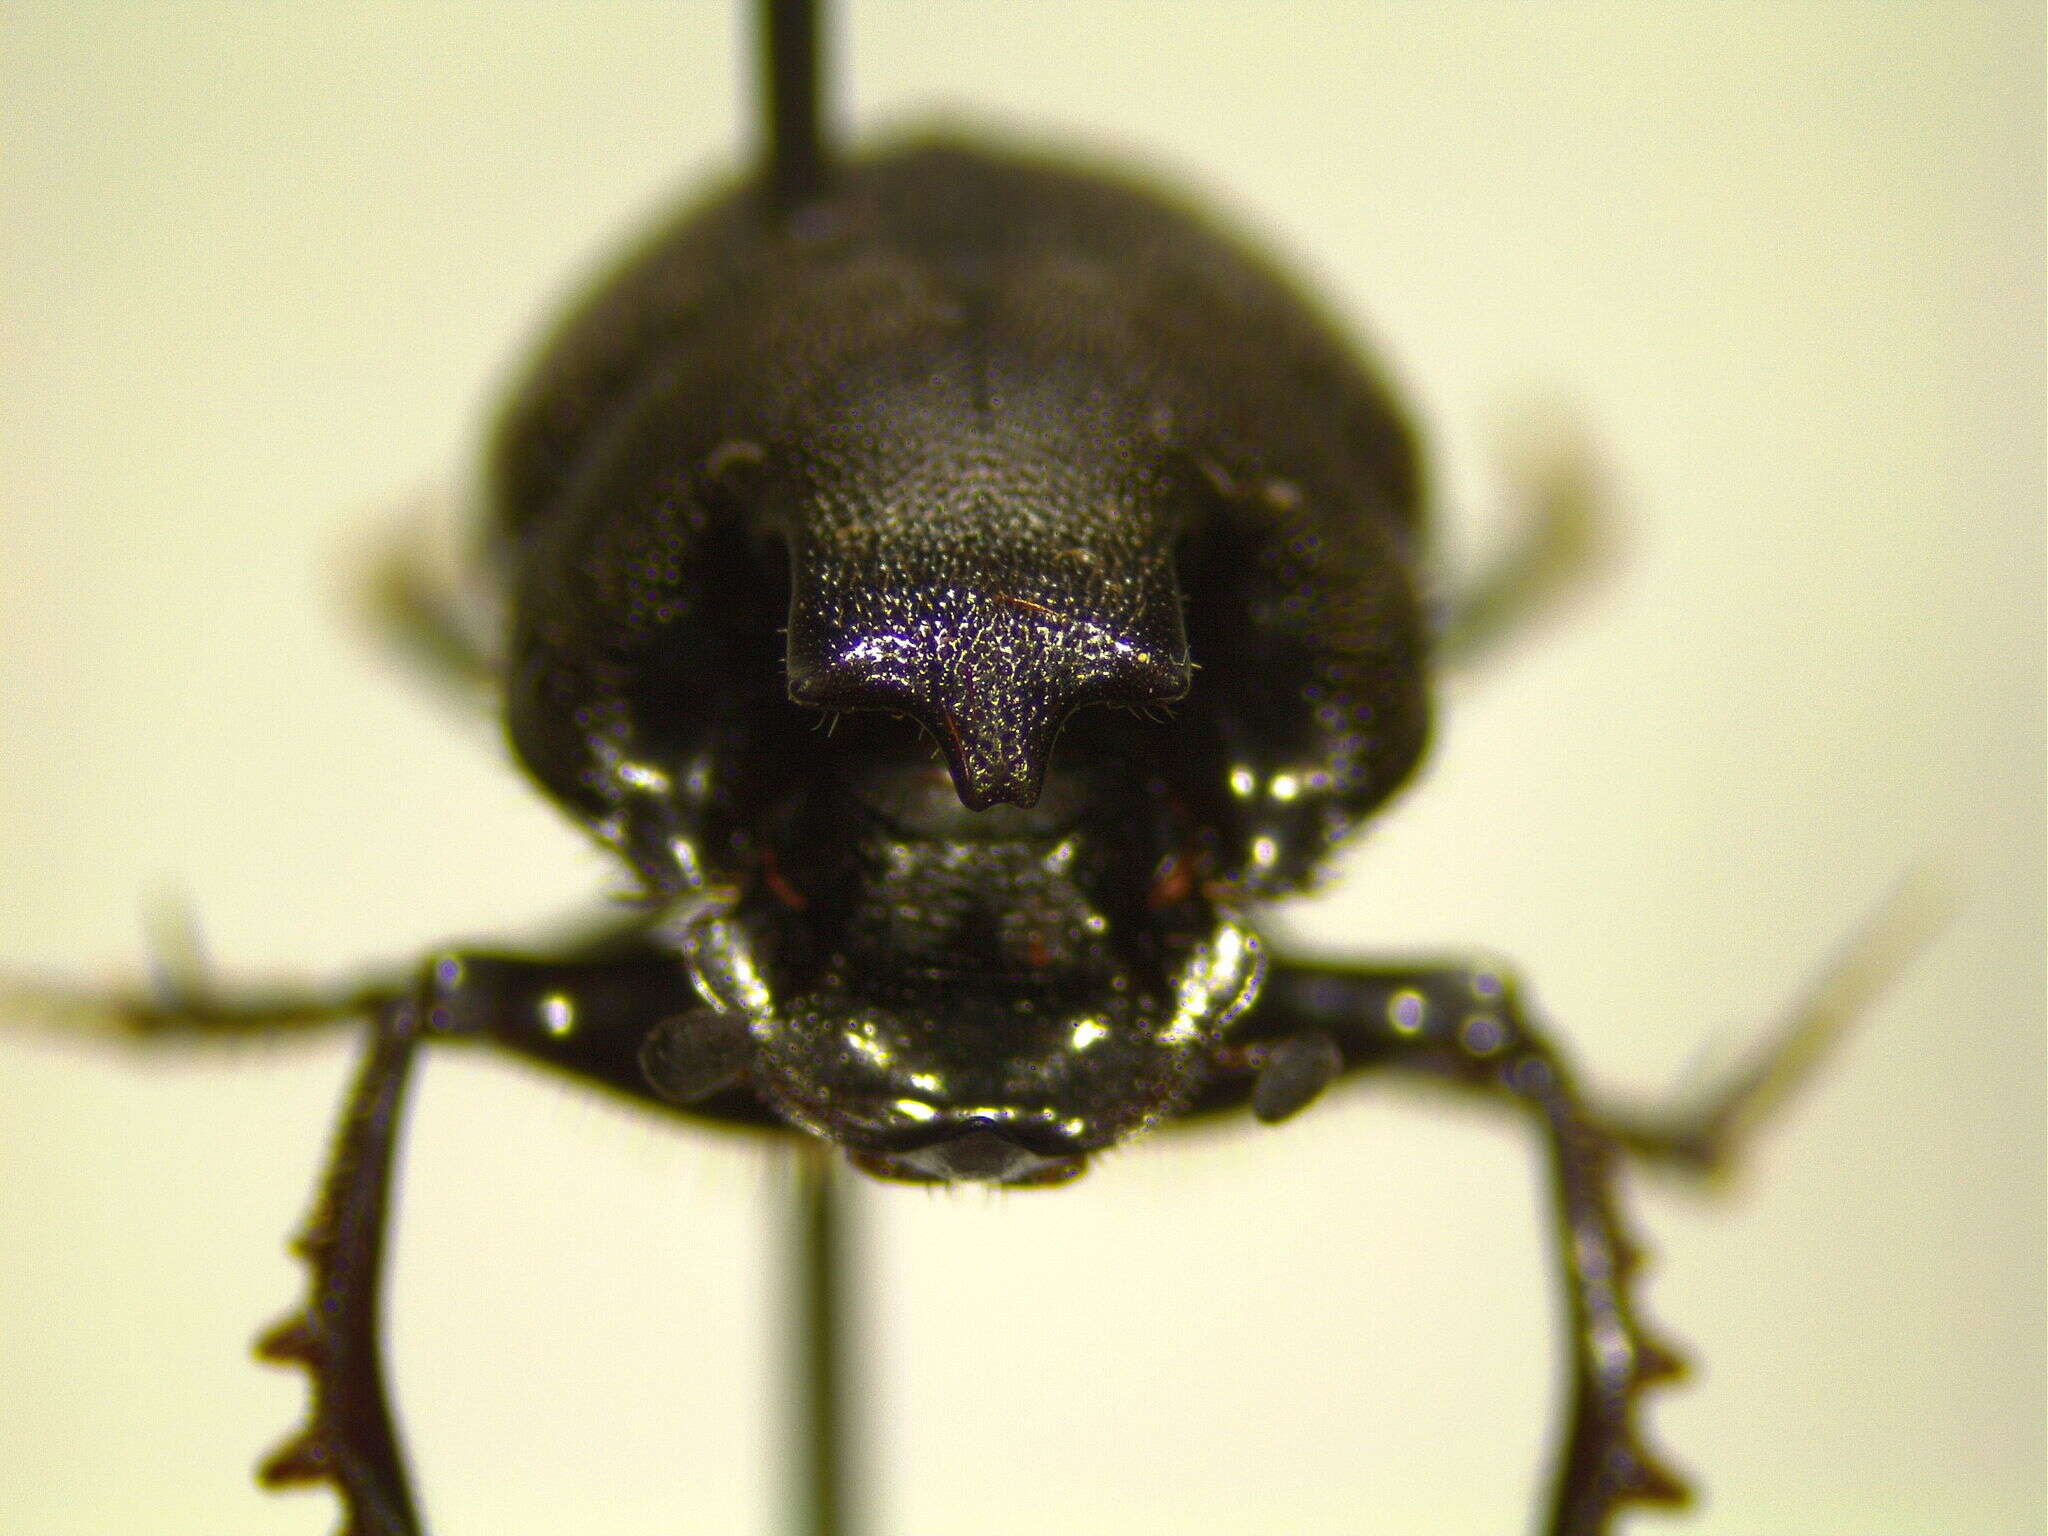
{"points": [[264, 268]]}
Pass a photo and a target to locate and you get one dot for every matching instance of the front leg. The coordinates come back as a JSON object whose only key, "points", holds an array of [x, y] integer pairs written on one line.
{"points": [[619, 1012], [1466, 1025], [349, 1440], [622, 1014]]}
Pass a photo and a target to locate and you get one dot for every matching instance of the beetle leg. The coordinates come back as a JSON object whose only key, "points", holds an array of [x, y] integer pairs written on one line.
{"points": [[427, 618], [349, 1440], [1707, 1132], [1465, 1025], [592, 1011], [623, 1015], [1561, 542], [188, 1010]]}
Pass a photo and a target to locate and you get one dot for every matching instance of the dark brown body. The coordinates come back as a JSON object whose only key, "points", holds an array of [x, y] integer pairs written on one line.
{"points": [[962, 369], [1101, 551]]}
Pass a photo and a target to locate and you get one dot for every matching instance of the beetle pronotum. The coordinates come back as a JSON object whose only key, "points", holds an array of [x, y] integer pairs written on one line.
{"points": [[372, 218]]}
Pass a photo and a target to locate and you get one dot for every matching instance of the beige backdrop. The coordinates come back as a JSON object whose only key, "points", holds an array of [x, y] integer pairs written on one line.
{"points": [[265, 266]]}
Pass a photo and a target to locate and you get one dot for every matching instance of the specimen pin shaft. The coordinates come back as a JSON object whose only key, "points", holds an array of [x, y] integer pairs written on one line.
{"points": [[825, 1442], [791, 90]]}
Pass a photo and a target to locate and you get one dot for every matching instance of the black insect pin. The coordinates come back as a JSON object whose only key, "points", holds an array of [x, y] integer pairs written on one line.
{"points": [[960, 587]]}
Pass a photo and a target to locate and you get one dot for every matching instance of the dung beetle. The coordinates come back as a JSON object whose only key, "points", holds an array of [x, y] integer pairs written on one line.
{"points": [[844, 728]]}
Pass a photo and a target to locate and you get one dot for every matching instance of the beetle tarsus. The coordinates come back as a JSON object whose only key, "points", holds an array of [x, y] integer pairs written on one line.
{"points": [[1707, 1133]]}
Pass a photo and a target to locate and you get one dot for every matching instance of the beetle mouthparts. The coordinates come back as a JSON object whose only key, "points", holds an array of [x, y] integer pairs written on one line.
{"points": [[979, 1155]]}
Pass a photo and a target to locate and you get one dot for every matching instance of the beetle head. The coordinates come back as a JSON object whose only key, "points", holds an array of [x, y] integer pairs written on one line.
{"points": [[976, 1008]]}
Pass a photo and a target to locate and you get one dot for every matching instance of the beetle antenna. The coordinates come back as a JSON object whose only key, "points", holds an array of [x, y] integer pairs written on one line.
{"points": [[796, 167]]}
